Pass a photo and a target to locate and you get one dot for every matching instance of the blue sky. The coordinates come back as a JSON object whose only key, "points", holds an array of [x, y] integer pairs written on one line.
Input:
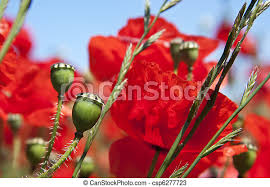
{"points": [[64, 26]]}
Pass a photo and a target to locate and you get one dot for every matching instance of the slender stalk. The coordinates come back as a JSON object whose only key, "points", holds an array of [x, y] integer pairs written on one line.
{"points": [[16, 150], [154, 162], [54, 132], [15, 28], [214, 138], [190, 76], [3, 6], [175, 70], [78, 165], [121, 77], [63, 158]]}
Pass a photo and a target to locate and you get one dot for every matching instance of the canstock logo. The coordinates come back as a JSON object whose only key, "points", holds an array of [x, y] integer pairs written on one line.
{"points": [[149, 91]]}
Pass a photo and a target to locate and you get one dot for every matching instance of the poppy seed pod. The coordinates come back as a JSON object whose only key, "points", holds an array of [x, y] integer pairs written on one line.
{"points": [[86, 111], [87, 167], [189, 52], [35, 150], [244, 161], [15, 121], [62, 76], [174, 49]]}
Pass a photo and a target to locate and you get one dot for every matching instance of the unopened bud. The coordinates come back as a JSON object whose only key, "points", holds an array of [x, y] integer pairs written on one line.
{"points": [[244, 161], [86, 111], [87, 167], [62, 76], [35, 150], [189, 52], [174, 49], [15, 121]]}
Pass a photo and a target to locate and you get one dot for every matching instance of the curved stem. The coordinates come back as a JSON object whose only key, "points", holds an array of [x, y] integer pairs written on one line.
{"points": [[154, 162], [214, 138], [3, 6], [15, 27], [55, 127], [63, 158]]}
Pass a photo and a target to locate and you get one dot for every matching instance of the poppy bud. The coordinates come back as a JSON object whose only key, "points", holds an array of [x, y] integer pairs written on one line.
{"points": [[35, 150], [174, 49], [15, 121], [86, 111], [189, 52], [244, 161], [87, 167], [62, 76]]}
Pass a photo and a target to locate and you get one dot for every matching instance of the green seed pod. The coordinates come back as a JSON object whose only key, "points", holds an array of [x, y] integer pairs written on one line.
{"points": [[189, 52], [87, 167], [62, 76], [174, 49], [15, 121], [35, 150], [86, 111], [244, 161]]}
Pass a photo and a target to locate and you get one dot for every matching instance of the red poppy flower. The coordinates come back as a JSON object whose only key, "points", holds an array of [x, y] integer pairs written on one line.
{"points": [[148, 115], [224, 167], [264, 93], [8, 68], [249, 45], [107, 53], [30, 93], [31, 89], [64, 171], [110, 130], [259, 128], [23, 41], [132, 158], [232, 150]]}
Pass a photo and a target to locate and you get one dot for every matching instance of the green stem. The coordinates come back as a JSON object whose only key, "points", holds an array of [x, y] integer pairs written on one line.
{"points": [[3, 6], [170, 154], [121, 77], [15, 27], [154, 162], [175, 71], [63, 158], [190, 76], [16, 150], [214, 138], [53, 136], [79, 163]]}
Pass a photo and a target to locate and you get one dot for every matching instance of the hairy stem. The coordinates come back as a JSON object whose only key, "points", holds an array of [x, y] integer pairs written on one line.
{"points": [[63, 158], [154, 162], [24, 6], [214, 138], [54, 132], [3, 6]]}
